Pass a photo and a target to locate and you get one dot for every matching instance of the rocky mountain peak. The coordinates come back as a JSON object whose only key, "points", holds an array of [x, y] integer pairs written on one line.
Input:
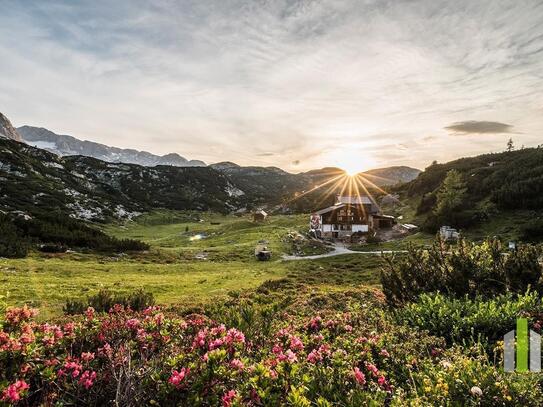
{"points": [[7, 130]]}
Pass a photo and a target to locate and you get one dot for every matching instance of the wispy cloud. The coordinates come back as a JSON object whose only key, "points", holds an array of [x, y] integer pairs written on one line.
{"points": [[302, 80]]}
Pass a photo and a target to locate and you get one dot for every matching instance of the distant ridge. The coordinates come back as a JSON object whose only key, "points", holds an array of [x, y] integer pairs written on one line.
{"points": [[64, 145]]}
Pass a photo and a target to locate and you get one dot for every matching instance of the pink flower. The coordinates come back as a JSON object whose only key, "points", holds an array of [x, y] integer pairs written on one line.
{"points": [[87, 356], [150, 310], [277, 349], [105, 351], [318, 338], [296, 344], [228, 398], [234, 336], [348, 328], [216, 343], [330, 324], [14, 316], [381, 380], [74, 366], [384, 353], [290, 356], [89, 313], [116, 309], [315, 323], [69, 328], [87, 379], [133, 323], [372, 369], [178, 376], [359, 376], [314, 356], [159, 318], [200, 339], [14, 391], [282, 332], [219, 330], [237, 364]]}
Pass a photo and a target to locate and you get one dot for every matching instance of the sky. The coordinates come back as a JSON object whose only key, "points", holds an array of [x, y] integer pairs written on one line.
{"points": [[295, 84]]}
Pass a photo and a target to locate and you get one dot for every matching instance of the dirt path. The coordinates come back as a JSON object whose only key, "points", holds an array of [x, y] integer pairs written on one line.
{"points": [[338, 251]]}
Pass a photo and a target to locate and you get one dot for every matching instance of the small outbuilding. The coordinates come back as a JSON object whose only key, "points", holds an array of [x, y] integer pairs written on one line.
{"points": [[448, 233], [262, 252], [259, 216]]}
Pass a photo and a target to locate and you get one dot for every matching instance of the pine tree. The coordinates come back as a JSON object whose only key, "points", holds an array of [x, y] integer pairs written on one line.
{"points": [[510, 146], [450, 196]]}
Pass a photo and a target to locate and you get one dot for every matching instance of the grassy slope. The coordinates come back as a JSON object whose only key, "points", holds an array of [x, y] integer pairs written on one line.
{"points": [[171, 270]]}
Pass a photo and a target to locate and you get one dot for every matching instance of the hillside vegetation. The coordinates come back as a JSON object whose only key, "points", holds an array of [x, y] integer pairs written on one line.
{"points": [[489, 185]]}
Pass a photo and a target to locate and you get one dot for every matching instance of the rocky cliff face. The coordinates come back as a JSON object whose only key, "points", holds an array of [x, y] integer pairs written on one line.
{"points": [[38, 182], [64, 145], [7, 130]]}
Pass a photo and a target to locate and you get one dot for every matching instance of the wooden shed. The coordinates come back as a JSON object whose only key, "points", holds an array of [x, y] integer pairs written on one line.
{"points": [[260, 216]]}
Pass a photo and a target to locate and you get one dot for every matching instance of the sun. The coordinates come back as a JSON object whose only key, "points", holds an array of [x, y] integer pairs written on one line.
{"points": [[353, 165], [351, 171], [351, 160]]}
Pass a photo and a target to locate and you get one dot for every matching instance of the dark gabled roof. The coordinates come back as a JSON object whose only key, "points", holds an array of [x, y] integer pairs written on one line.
{"points": [[330, 209], [353, 200]]}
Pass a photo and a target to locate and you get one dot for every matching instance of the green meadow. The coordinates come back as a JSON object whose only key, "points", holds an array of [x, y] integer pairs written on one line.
{"points": [[195, 258]]}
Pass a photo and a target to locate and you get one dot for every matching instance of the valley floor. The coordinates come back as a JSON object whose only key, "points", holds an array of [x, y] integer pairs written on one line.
{"points": [[194, 258]]}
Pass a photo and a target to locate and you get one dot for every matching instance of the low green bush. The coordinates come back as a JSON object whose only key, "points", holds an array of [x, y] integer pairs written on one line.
{"points": [[486, 269], [11, 244], [105, 300], [533, 232], [465, 320]]}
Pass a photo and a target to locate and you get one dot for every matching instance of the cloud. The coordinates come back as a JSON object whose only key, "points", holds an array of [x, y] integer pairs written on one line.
{"points": [[227, 80], [429, 138], [478, 127]]}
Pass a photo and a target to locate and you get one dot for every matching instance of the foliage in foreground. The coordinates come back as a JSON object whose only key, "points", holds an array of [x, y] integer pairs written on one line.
{"points": [[465, 320], [486, 269], [339, 350]]}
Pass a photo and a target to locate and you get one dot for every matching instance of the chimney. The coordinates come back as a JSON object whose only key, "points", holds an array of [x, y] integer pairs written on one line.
{"points": [[338, 199]]}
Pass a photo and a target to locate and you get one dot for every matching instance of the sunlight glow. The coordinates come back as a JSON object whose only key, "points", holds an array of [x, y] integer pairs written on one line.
{"points": [[352, 161]]}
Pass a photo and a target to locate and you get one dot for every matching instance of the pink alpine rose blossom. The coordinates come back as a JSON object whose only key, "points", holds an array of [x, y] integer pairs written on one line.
{"points": [[228, 398], [178, 377], [359, 376]]}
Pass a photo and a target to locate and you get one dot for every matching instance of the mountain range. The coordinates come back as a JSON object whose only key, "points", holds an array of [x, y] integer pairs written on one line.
{"points": [[35, 183], [91, 181], [67, 145]]}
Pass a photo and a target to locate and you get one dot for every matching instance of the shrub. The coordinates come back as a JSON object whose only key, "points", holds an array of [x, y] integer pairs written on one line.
{"points": [[59, 230], [463, 269], [105, 300], [533, 232], [373, 239], [12, 245], [465, 320], [352, 357]]}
